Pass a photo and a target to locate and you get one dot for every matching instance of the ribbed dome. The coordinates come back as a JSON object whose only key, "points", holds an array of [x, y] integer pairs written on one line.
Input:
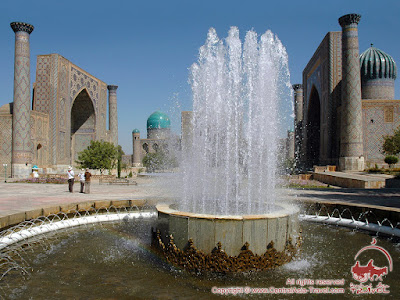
{"points": [[158, 119], [377, 64]]}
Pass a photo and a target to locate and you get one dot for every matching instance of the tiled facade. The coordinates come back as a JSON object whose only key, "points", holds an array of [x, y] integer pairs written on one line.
{"points": [[367, 120], [68, 110], [59, 83], [323, 74], [380, 118]]}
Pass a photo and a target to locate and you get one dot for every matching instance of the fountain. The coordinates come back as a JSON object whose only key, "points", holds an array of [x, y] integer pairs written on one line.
{"points": [[229, 169]]}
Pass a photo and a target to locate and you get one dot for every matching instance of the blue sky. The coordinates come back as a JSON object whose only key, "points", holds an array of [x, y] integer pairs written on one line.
{"points": [[146, 47]]}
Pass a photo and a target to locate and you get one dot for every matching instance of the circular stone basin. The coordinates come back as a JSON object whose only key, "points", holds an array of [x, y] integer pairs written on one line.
{"points": [[228, 234]]}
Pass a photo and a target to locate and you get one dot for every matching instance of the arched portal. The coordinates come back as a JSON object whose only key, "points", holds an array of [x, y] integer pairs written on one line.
{"points": [[313, 128], [146, 148], [83, 124]]}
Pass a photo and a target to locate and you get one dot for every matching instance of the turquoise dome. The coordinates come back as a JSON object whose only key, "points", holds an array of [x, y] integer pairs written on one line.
{"points": [[158, 119], [377, 64], [135, 130]]}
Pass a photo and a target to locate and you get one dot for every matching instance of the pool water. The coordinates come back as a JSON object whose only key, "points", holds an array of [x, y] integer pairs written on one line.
{"points": [[114, 261]]}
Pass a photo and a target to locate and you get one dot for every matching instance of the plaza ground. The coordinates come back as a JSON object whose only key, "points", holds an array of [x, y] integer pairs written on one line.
{"points": [[19, 198]]}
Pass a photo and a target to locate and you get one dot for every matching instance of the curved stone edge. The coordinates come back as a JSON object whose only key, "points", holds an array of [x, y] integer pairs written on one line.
{"points": [[196, 261], [19, 217], [286, 210]]}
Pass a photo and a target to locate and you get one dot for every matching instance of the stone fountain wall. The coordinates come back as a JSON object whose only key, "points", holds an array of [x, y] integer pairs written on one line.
{"points": [[233, 232]]}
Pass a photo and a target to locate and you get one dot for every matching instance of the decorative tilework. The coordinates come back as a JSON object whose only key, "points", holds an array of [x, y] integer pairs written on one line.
{"points": [[351, 137], [112, 113], [102, 121], [54, 108], [5, 143], [58, 82], [40, 136], [61, 143], [21, 149], [79, 80], [388, 114], [375, 126]]}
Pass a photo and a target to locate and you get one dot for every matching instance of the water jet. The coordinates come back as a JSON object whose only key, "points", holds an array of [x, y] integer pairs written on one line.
{"points": [[229, 169]]}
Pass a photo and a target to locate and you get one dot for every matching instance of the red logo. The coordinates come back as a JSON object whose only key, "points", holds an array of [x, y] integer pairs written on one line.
{"points": [[370, 271]]}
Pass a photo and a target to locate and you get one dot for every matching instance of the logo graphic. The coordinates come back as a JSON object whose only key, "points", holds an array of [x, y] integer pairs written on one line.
{"points": [[365, 273], [370, 271]]}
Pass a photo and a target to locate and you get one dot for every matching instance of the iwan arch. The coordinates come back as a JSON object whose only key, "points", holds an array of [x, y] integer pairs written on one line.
{"points": [[67, 111]]}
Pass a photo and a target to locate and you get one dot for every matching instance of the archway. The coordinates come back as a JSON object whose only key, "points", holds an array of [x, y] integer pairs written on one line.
{"points": [[83, 124], [155, 147], [146, 148], [39, 155], [313, 128]]}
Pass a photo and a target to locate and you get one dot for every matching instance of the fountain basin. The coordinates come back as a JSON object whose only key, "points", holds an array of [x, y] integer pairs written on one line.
{"points": [[182, 234]]}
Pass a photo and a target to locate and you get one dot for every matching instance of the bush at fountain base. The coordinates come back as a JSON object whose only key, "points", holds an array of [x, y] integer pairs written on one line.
{"points": [[201, 243]]}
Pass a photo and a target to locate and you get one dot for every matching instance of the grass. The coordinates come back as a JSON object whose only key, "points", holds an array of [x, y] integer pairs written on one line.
{"points": [[305, 184], [376, 170]]}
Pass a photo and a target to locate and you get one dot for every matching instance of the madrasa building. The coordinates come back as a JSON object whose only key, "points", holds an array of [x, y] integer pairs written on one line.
{"points": [[345, 104], [67, 111], [159, 138]]}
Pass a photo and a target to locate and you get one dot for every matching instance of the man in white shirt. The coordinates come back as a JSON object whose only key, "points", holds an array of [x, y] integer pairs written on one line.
{"points": [[71, 179]]}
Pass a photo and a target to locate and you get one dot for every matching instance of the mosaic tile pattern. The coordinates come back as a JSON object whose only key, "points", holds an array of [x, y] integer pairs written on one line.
{"points": [[380, 118], [80, 80], [323, 72], [112, 113], [21, 153], [5, 143], [58, 82], [40, 136], [351, 137], [63, 113], [42, 89]]}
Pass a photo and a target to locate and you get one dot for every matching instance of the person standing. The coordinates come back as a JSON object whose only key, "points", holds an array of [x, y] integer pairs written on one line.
{"points": [[71, 179], [87, 181], [81, 176]]}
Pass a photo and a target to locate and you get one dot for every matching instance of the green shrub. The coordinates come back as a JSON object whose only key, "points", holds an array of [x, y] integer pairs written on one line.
{"points": [[374, 169], [391, 160]]}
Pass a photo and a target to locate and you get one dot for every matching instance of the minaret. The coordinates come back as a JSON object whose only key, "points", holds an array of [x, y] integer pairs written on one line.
{"points": [[112, 113], [21, 130], [187, 130], [351, 131], [136, 157], [290, 144], [298, 121]]}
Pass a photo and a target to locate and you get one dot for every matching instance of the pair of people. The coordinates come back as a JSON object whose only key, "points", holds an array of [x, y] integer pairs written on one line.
{"points": [[84, 178]]}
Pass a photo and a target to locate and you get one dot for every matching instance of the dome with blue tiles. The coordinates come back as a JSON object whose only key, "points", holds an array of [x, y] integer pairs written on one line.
{"points": [[158, 119], [376, 64]]}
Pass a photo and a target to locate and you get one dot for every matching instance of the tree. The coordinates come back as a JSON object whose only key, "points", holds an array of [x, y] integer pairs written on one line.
{"points": [[100, 155], [391, 160], [160, 160], [119, 163], [391, 143]]}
